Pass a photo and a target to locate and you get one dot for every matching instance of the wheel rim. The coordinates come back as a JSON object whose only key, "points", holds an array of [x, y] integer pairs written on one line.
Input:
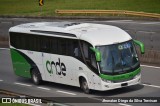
{"points": [[85, 86], [35, 79]]}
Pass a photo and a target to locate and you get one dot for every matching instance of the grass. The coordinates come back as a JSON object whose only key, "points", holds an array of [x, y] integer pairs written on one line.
{"points": [[32, 8]]}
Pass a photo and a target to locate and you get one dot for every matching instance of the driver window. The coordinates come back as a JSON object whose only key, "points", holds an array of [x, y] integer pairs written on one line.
{"points": [[93, 60], [89, 55]]}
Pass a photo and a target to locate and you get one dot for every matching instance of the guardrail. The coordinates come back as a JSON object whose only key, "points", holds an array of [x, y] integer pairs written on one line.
{"points": [[112, 12]]}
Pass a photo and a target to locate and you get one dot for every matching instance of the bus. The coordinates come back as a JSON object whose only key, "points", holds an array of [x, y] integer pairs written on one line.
{"points": [[86, 55]]}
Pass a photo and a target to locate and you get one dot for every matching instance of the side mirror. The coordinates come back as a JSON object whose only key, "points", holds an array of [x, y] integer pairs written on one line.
{"points": [[141, 45], [97, 53]]}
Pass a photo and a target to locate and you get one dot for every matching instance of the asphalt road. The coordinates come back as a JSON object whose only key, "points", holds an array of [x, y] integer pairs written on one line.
{"points": [[150, 86]]}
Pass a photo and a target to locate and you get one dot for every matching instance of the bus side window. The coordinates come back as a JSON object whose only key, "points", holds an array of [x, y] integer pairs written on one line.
{"points": [[54, 45], [61, 46], [77, 51], [89, 55], [69, 45], [45, 44], [86, 51], [93, 60]]}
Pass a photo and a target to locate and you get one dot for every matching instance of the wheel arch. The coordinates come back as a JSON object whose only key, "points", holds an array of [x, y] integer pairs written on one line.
{"points": [[35, 68], [81, 76]]}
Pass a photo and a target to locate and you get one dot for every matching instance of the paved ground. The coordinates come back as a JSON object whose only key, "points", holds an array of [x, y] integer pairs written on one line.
{"points": [[150, 86]]}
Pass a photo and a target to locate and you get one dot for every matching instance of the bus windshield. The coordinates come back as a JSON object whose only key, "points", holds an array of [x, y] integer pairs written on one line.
{"points": [[118, 58]]}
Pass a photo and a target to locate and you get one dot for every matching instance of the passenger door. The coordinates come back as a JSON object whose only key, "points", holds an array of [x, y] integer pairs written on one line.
{"points": [[93, 74]]}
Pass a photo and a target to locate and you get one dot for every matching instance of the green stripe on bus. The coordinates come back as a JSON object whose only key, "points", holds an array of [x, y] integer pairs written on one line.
{"points": [[20, 65], [122, 76]]}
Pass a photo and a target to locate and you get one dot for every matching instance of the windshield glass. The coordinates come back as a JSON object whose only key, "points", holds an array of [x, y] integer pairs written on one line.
{"points": [[118, 58]]}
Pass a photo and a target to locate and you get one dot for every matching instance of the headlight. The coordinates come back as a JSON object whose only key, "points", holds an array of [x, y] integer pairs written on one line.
{"points": [[107, 81], [137, 75]]}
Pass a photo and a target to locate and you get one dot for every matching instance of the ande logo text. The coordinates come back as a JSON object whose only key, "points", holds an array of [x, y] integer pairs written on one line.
{"points": [[59, 67]]}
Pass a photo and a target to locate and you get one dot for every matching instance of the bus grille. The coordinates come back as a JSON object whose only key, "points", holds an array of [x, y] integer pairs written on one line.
{"points": [[118, 81]]}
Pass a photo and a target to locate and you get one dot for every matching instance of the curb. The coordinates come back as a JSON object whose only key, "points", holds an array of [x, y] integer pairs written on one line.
{"points": [[82, 17]]}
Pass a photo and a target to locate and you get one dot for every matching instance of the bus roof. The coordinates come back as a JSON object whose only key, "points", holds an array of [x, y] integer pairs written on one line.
{"points": [[96, 34]]}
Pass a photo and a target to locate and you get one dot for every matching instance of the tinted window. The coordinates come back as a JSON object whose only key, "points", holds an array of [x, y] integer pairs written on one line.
{"points": [[62, 47], [45, 45], [89, 55], [55, 45], [25, 41]]}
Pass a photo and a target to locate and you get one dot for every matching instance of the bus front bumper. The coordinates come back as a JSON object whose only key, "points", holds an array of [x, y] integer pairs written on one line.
{"points": [[109, 86]]}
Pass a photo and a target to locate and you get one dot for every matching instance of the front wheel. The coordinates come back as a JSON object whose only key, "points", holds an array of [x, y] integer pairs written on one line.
{"points": [[36, 77], [84, 86]]}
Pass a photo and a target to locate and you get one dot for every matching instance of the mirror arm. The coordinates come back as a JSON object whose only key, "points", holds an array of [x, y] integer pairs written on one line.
{"points": [[97, 53], [141, 45]]}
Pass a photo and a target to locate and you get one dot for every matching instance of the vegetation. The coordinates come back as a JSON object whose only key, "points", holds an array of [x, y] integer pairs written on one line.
{"points": [[32, 8]]}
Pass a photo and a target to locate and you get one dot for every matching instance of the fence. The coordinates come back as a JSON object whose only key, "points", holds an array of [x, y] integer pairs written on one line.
{"points": [[111, 12]]}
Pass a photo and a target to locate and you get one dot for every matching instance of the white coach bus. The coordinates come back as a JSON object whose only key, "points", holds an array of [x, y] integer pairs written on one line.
{"points": [[90, 56]]}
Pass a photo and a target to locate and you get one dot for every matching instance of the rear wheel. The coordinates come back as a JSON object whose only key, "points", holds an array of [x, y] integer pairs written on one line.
{"points": [[84, 86], [36, 77]]}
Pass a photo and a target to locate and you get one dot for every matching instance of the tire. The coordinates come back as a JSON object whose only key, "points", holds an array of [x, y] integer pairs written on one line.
{"points": [[84, 86], [36, 77]]}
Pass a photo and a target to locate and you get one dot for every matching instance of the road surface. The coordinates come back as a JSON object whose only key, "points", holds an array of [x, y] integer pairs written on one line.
{"points": [[150, 86]]}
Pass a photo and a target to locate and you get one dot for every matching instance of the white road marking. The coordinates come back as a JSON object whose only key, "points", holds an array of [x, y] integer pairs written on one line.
{"points": [[155, 86], [122, 21], [122, 104], [57, 104], [1, 80], [126, 30], [131, 21], [143, 31], [44, 88], [22, 84], [150, 66], [151, 23], [146, 32], [4, 48], [67, 92]]}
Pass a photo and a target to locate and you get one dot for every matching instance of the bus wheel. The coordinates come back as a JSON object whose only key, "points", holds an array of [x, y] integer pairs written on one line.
{"points": [[36, 77], [84, 86]]}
